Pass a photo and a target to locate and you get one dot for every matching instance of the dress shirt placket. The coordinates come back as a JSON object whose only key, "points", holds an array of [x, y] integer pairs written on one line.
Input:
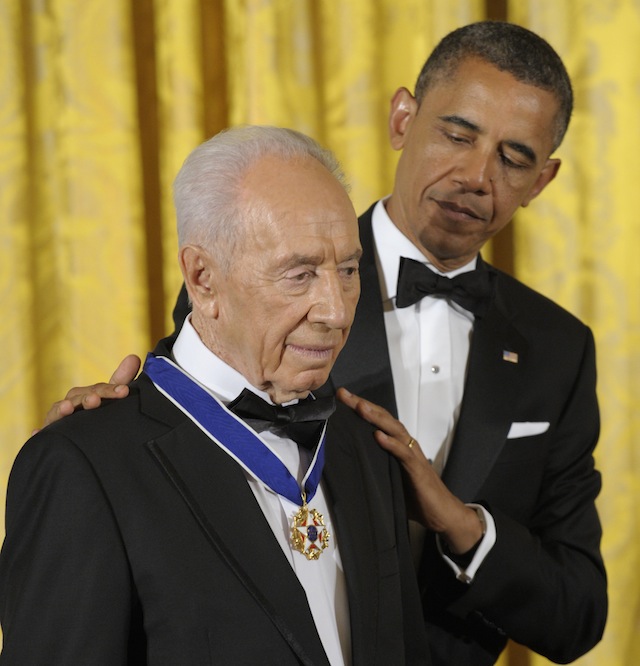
{"points": [[435, 386]]}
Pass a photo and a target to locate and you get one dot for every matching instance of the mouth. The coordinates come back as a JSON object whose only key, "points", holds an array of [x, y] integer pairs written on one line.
{"points": [[319, 353], [460, 213]]}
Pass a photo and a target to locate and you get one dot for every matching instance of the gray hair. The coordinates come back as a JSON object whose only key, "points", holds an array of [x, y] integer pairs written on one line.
{"points": [[207, 189], [510, 48]]}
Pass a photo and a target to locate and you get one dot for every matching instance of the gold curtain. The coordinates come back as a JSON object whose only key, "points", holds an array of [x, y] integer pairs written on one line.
{"points": [[579, 244], [73, 242], [99, 104], [101, 101]]}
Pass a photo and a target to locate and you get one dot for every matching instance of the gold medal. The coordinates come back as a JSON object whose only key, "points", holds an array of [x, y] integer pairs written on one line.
{"points": [[309, 535]]}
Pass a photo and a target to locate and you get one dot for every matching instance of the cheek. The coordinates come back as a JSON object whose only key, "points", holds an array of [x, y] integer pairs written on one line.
{"points": [[505, 204], [433, 171], [274, 341], [353, 304]]}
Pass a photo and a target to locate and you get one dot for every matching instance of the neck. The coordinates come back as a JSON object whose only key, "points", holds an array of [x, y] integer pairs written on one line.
{"points": [[207, 334], [444, 264]]}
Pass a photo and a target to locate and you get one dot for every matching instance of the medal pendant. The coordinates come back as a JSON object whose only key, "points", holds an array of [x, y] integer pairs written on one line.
{"points": [[309, 535]]}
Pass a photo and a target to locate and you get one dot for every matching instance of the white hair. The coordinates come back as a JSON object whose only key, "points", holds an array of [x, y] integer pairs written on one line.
{"points": [[207, 189]]}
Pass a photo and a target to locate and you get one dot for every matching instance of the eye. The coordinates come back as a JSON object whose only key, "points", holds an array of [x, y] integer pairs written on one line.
{"points": [[299, 276], [511, 163], [456, 138], [349, 271]]}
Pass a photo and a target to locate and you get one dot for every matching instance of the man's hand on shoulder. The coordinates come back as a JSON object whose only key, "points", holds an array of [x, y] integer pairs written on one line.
{"points": [[430, 502], [90, 397]]}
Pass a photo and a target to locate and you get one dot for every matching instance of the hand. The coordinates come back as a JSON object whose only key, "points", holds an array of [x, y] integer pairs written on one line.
{"points": [[90, 397], [429, 501]]}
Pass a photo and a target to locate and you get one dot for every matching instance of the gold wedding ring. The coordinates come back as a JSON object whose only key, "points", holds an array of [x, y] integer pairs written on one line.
{"points": [[411, 442]]}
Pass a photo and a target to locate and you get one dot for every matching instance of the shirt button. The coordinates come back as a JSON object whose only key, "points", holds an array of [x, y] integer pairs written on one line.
{"points": [[435, 369]]}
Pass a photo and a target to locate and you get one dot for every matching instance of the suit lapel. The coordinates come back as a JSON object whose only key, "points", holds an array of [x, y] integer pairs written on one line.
{"points": [[491, 388], [363, 365], [354, 523], [491, 384], [224, 508]]}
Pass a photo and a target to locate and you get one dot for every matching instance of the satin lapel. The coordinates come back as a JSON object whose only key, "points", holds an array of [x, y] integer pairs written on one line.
{"points": [[363, 365], [355, 528], [491, 389], [224, 508]]}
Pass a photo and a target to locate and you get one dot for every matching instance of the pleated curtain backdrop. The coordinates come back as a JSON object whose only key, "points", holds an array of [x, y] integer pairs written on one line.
{"points": [[579, 243], [101, 101]]}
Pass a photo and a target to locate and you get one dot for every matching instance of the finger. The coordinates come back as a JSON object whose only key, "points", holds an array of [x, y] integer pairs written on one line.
{"points": [[84, 397], [89, 397], [126, 371], [405, 449], [59, 410]]}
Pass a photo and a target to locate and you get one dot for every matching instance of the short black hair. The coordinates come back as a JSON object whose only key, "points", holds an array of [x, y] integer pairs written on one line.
{"points": [[508, 47]]}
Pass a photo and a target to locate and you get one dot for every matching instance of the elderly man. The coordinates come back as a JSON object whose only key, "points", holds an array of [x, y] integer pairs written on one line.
{"points": [[213, 517], [492, 382]]}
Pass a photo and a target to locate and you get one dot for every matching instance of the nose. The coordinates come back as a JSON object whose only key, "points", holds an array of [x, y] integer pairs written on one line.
{"points": [[332, 304], [475, 172]]}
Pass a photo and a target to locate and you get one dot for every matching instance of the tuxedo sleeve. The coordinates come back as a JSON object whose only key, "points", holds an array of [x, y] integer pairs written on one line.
{"points": [[544, 584], [65, 589]]}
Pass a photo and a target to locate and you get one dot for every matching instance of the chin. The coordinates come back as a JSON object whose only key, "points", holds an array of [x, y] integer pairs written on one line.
{"points": [[309, 381]]}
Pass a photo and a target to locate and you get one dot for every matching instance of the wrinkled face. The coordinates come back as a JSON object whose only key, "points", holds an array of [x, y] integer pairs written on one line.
{"points": [[284, 310], [475, 150]]}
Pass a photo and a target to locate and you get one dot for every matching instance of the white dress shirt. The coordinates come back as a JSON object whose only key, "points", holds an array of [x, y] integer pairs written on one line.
{"points": [[429, 349], [323, 579]]}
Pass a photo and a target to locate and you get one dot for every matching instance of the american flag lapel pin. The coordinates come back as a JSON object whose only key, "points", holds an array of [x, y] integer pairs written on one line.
{"points": [[509, 356]]}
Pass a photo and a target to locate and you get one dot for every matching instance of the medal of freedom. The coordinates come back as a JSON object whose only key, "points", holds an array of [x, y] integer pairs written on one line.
{"points": [[309, 535]]}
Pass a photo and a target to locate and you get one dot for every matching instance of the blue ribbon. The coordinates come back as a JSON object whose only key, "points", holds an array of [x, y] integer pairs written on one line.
{"points": [[231, 433]]}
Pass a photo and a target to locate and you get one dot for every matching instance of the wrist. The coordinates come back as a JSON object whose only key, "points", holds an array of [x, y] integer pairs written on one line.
{"points": [[467, 534]]}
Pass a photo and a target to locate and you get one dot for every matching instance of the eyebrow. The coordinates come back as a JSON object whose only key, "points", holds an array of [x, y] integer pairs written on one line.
{"points": [[461, 122], [526, 151], [357, 255], [299, 260], [312, 260]]}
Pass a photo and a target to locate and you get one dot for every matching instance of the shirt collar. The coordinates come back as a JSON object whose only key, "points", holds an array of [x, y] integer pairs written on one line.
{"points": [[207, 369], [391, 244]]}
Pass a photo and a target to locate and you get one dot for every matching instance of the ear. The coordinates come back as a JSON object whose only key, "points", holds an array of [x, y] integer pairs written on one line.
{"points": [[198, 271], [404, 108], [548, 173]]}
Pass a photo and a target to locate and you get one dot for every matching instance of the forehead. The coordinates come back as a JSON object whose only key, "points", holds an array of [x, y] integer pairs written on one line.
{"points": [[493, 100], [292, 202]]}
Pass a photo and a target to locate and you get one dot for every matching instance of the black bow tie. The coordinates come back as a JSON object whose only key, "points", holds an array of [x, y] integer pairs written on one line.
{"points": [[471, 290], [301, 422]]}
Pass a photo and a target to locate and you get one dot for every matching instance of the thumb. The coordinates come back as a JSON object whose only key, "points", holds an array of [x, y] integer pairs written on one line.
{"points": [[126, 371]]}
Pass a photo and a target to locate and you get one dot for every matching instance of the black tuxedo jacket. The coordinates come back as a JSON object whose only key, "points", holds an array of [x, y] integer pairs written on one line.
{"points": [[133, 539], [543, 584]]}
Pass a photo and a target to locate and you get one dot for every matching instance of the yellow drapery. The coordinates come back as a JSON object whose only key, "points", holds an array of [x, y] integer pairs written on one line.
{"points": [[579, 244], [100, 103]]}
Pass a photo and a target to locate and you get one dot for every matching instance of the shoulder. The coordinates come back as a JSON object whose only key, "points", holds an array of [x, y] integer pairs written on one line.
{"points": [[528, 307], [354, 437], [365, 218], [346, 422], [118, 425]]}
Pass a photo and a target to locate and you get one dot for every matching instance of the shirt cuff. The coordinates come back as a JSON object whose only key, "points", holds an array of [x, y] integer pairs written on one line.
{"points": [[482, 549]]}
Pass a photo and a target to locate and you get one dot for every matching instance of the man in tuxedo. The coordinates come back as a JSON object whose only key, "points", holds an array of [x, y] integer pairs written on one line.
{"points": [[493, 384], [215, 516]]}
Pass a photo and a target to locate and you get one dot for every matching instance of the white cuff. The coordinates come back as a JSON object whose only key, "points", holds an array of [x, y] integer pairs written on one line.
{"points": [[486, 544]]}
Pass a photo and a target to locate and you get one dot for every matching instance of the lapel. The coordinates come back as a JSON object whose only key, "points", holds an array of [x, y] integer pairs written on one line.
{"points": [[363, 366], [491, 389], [355, 522], [224, 508], [491, 385]]}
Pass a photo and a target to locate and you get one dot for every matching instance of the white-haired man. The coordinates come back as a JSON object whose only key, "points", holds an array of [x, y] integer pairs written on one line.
{"points": [[215, 516]]}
